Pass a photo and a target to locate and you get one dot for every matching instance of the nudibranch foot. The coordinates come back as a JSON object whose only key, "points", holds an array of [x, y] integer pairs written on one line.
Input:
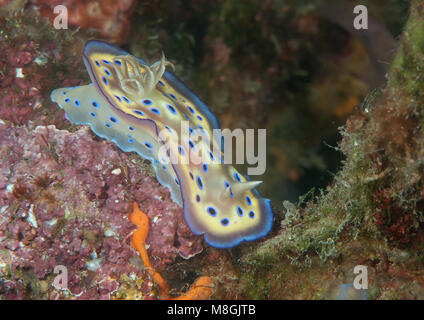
{"points": [[115, 126], [201, 288]]}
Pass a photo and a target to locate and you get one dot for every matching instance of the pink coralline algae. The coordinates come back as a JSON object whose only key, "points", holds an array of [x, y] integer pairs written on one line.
{"points": [[20, 93], [110, 18], [64, 200], [23, 81]]}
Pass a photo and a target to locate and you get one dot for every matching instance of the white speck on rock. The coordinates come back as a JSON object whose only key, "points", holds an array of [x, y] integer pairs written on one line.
{"points": [[37, 105], [19, 73], [9, 188], [31, 218], [116, 171], [109, 233], [94, 264], [51, 222], [40, 60]]}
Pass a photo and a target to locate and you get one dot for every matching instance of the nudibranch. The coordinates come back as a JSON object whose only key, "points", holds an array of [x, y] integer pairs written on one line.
{"points": [[141, 108]]}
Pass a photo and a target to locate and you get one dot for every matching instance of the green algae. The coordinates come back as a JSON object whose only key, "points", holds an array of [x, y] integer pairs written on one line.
{"points": [[338, 228]]}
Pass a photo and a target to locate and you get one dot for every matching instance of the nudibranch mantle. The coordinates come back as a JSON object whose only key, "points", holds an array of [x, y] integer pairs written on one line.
{"points": [[132, 104]]}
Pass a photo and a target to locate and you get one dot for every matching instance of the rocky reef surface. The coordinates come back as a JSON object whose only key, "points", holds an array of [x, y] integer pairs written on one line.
{"points": [[65, 194], [64, 199]]}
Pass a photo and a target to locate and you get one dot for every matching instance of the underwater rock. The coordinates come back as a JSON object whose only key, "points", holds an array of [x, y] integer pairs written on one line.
{"points": [[19, 93], [64, 201], [31, 62], [110, 18]]}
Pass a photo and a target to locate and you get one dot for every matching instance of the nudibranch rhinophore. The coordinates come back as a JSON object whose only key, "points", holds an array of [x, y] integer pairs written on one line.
{"points": [[141, 108]]}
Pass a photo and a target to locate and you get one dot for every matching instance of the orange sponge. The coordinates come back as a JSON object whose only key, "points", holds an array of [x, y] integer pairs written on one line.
{"points": [[201, 288]]}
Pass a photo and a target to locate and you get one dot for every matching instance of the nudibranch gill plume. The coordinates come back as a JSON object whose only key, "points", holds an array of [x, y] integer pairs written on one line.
{"points": [[140, 108]]}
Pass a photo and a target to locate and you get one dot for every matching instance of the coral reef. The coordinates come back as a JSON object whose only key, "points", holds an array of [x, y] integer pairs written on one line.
{"points": [[64, 201]]}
